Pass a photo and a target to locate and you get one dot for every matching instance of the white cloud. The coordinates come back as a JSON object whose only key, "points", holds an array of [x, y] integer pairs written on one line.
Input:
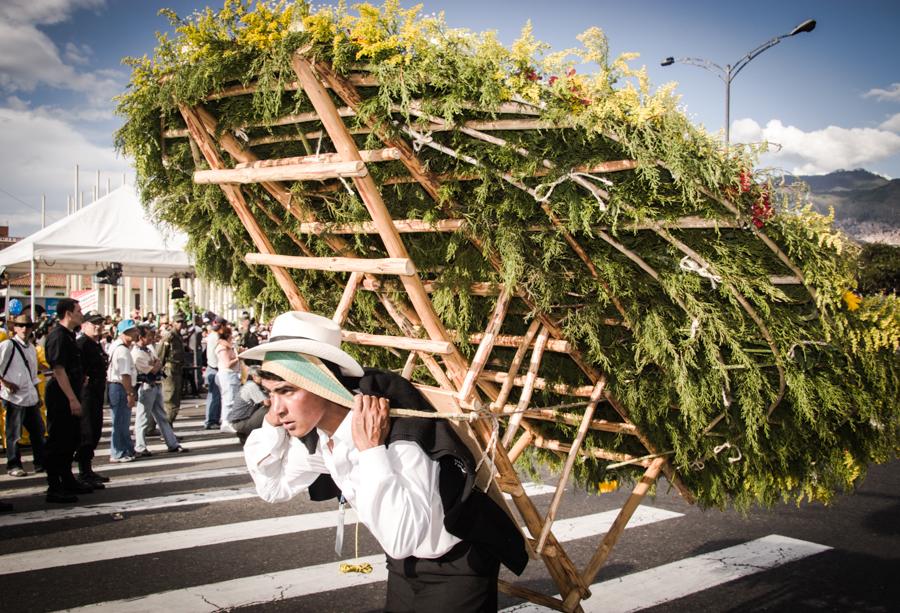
{"points": [[29, 58], [891, 94], [45, 12], [892, 123], [818, 151], [78, 54], [41, 155]]}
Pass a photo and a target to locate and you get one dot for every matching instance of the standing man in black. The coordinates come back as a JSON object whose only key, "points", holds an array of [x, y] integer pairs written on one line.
{"points": [[94, 361], [64, 405]]}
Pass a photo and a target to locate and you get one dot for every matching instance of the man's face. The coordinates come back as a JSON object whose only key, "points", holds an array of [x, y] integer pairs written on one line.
{"points": [[91, 330], [77, 315], [298, 410], [129, 337], [21, 330]]}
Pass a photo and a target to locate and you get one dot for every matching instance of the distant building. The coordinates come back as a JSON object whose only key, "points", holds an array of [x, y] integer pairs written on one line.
{"points": [[5, 239]]}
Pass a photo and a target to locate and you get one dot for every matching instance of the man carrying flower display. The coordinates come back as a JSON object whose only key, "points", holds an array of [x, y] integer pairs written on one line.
{"points": [[411, 480]]}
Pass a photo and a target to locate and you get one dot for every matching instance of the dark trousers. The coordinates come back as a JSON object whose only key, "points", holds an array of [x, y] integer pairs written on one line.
{"points": [[463, 579], [243, 427], [63, 437], [91, 422], [18, 416], [171, 390]]}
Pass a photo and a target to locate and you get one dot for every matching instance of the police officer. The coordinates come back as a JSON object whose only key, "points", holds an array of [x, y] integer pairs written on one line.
{"points": [[94, 360]]}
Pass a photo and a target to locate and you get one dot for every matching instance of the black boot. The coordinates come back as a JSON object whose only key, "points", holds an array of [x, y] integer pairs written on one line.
{"points": [[71, 485], [55, 490], [88, 475]]}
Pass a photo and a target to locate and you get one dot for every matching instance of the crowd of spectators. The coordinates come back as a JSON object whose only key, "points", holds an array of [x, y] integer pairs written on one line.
{"points": [[138, 364]]}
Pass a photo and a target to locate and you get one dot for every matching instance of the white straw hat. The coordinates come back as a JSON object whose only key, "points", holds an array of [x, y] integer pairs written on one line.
{"points": [[307, 333]]}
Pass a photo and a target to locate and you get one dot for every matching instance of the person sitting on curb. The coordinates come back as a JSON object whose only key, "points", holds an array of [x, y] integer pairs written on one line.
{"points": [[411, 480], [251, 406], [150, 402]]}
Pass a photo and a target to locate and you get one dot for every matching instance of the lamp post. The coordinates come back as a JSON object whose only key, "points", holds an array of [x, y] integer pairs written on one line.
{"points": [[730, 71]]}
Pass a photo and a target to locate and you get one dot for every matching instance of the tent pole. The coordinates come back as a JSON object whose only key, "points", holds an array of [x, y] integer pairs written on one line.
{"points": [[43, 225], [32, 288]]}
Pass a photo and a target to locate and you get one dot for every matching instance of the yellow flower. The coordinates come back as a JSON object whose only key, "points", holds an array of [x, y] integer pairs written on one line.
{"points": [[608, 486], [852, 299]]}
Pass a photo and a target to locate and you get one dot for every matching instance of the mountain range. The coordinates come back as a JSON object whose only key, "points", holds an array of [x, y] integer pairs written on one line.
{"points": [[866, 205]]}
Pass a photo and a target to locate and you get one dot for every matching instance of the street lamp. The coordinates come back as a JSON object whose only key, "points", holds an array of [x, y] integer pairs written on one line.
{"points": [[729, 72]]}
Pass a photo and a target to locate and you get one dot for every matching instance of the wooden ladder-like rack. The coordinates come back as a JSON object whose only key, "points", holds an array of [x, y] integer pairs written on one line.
{"points": [[462, 385]]}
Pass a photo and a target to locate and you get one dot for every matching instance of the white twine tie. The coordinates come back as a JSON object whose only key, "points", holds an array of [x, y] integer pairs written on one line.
{"points": [[242, 135], [421, 140], [691, 265], [573, 176], [726, 445]]}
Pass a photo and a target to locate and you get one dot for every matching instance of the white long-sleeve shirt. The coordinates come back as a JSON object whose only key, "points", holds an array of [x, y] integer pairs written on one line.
{"points": [[22, 373], [393, 489]]}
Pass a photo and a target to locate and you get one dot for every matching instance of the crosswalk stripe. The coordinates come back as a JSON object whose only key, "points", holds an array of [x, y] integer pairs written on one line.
{"points": [[564, 530], [127, 506], [688, 576], [324, 577], [156, 479], [179, 424], [159, 502], [225, 441], [40, 559], [157, 461]]}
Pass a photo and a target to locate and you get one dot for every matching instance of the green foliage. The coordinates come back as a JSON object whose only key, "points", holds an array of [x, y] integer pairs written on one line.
{"points": [[683, 356], [879, 269]]}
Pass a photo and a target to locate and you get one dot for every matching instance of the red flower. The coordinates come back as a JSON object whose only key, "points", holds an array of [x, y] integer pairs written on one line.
{"points": [[570, 72], [531, 75], [553, 79], [746, 181]]}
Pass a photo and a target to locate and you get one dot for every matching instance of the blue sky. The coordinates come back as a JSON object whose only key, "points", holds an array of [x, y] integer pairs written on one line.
{"points": [[830, 98]]}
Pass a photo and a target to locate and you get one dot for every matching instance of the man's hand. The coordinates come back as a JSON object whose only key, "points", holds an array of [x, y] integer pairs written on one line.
{"points": [[12, 387], [75, 407], [131, 399], [370, 422]]}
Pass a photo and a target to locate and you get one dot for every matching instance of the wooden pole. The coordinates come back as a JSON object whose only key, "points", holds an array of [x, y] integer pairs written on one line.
{"points": [[397, 342], [561, 568], [343, 307], [570, 461], [507, 385], [383, 266], [236, 199], [293, 172], [388, 154], [528, 388], [485, 348], [371, 197], [409, 366], [609, 541]]}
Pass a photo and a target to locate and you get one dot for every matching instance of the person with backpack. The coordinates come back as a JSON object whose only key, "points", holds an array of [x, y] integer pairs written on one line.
{"points": [[19, 381]]}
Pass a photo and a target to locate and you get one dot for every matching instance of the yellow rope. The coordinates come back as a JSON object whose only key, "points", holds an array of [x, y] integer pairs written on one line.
{"points": [[364, 568]]}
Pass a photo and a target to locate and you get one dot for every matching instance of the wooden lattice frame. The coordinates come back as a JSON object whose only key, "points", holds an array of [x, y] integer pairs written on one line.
{"points": [[462, 385]]}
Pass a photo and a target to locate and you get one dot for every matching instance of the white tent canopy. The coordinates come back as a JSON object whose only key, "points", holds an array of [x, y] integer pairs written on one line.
{"points": [[115, 228]]}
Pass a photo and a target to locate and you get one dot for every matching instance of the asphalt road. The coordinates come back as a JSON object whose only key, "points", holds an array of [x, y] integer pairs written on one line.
{"points": [[185, 533]]}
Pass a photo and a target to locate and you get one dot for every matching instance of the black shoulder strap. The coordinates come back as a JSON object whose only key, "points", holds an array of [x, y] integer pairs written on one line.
{"points": [[9, 361], [12, 355]]}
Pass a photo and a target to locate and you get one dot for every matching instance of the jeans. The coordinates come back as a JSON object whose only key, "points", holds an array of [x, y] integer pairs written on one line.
{"points": [[230, 386], [30, 417], [150, 404], [121, 444], [213, 397]]}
